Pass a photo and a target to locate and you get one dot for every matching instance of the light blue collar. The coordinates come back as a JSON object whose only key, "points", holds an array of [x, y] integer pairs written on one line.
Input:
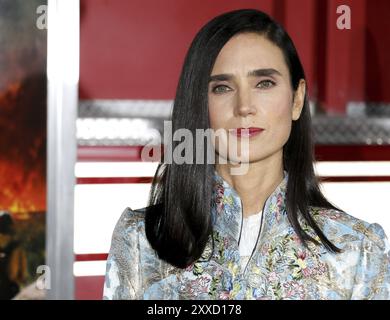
{"points": [[227, 207]]}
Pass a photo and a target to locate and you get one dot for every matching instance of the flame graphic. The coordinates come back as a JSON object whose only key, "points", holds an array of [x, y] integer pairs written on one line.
{"points": [[23, 147]]}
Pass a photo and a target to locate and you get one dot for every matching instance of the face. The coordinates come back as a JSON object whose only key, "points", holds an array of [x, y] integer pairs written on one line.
{"points": [[250, 87]]}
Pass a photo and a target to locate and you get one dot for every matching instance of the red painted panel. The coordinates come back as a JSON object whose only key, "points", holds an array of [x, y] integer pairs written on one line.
{"points": [[377, 62], [301, 24], [114, 180], [89, 288], [322, 152], [112, 153], [135, 49], [352, 153], [91, 257], [344, 78], [356, 179]]}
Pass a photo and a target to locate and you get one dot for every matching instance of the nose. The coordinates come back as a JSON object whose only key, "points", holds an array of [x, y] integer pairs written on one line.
{"points": [[244, 106]]}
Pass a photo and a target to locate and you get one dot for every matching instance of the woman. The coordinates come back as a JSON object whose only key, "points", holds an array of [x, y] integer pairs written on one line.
{"points": [[266, 234]]}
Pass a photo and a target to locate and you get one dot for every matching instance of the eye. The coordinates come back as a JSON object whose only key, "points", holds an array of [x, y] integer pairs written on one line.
{"points": [[266, 84], [220, 88]]}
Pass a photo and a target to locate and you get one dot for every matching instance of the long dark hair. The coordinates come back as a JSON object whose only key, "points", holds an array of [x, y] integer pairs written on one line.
{"points": [[177, 219]]}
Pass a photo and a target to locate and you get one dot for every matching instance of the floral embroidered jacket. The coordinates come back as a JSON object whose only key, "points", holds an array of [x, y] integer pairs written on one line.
{"points": [[280, 266]]}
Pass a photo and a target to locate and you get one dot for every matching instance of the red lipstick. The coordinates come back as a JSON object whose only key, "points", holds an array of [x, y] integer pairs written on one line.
{"points": [[251, 132]]}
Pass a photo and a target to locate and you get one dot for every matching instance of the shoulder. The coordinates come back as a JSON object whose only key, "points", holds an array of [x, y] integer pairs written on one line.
{"points": [[342, 227], [129, 227], [365, 252], [123, 279], [130, 219]]}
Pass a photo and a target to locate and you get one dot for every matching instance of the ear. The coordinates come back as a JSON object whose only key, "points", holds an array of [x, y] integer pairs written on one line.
{"points": [[299, 100]]}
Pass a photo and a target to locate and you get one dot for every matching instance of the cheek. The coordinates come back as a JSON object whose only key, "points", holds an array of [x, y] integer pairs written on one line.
{"points": [[279, 118], [280, 113], [217, 114]]}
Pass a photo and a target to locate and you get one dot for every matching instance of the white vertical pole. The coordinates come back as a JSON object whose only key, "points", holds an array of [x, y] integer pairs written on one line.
{"points": [[63, 76]]}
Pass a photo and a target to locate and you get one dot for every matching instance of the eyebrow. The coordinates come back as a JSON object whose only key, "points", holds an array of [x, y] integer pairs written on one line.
{"points": [[253, 73]]}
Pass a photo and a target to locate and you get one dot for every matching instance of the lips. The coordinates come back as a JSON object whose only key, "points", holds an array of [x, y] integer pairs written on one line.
{"points": [[246, 132]]}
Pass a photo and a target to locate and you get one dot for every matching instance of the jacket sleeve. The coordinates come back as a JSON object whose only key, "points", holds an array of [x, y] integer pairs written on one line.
{"points": [[122, 278], [372, 278]]}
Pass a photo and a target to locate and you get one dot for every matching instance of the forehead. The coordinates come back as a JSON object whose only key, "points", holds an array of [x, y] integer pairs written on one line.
{"points": [[248, 51]]}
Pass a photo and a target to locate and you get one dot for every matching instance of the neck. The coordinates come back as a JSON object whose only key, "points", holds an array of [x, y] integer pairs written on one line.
{"points": [[257, 184]]}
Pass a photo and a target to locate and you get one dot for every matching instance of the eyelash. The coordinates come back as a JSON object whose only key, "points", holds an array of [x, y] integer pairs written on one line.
{"points": [[273, 83]]}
